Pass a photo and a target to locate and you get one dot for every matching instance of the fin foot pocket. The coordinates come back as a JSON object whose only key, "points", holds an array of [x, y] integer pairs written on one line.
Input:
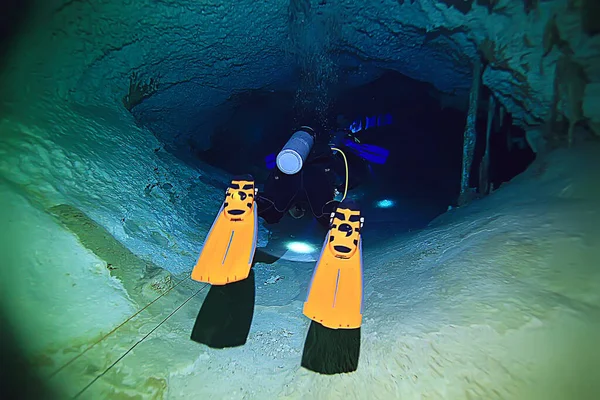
{"points": [[229, 248]]}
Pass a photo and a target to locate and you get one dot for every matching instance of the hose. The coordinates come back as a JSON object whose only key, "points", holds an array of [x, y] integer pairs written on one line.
{"points": [[346, 165]]}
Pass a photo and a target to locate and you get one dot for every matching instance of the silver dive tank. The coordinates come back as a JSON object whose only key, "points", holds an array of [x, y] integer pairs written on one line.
{"points": [[293, 155]]}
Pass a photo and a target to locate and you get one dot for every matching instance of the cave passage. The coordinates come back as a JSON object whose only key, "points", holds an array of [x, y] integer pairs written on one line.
{"points": [[122, 123], [421, 177], [424, 141]]}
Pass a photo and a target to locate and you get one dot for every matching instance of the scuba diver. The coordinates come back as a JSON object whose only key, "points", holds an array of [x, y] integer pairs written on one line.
{"points": [[295, 187], [307, 172], [307, 176]]}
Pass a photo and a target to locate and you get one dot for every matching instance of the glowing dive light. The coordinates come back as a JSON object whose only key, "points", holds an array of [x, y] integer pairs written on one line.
{"points": [[385, 203], [300, 247]]}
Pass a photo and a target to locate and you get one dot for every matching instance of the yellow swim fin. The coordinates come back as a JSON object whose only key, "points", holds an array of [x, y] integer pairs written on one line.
{"points": [[229, 248], [335, 294]]}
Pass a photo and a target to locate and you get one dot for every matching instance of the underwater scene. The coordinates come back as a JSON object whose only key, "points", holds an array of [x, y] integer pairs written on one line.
{"points": [[300, 199]]}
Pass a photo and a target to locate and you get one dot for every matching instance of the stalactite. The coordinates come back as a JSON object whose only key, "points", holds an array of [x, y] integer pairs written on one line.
{"points": [[484, 167], [470, 134]]}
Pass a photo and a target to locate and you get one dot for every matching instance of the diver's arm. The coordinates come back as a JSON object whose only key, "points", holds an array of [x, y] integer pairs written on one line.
{"points": [[321, 152]]}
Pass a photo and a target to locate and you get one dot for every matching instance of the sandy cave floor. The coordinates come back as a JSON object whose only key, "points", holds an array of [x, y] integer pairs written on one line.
{"points": [[498, 300]]}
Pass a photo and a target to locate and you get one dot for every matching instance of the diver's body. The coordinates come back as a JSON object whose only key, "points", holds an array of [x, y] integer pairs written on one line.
{"points": [[315, 184]]}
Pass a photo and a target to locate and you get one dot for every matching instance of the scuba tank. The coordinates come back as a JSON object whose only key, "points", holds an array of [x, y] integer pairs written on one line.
{"points": [[293, 155]]}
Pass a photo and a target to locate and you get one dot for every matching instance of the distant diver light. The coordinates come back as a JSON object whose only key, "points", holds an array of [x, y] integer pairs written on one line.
{"points": [[385, 203]]}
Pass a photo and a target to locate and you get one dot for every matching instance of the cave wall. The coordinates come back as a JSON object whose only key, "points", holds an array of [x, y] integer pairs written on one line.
{"points": [[99, 162], [66, 138], [67, 135], [200, 53]]}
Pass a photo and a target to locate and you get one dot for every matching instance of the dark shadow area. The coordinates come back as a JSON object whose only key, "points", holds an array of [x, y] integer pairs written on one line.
{"points": [[260, 123], [18, 379], [226, 314], [264, 257], [424, 139], [422, 174], [424, 143], [331, 351], [12, 15], [509, 151]]}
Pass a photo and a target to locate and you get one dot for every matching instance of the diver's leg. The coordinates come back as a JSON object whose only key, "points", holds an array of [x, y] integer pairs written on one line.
{"points": [[277, 196], [328, 208], [320, 194], [267, 211]]}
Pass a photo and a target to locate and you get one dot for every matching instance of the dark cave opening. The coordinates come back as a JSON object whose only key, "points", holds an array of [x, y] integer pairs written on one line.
{"points": [[425, 140], [259, 124], [510, 153], [12, 16], [424, 143], [421, 177]]}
